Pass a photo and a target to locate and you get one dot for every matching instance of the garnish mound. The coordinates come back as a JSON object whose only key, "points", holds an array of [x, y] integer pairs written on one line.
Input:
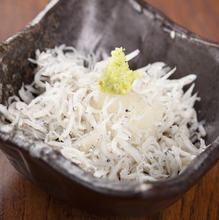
{"points": [[117, 78]]}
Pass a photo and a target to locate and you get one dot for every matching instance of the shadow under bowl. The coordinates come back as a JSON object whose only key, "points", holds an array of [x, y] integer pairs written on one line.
{"points": [[94, 25]]}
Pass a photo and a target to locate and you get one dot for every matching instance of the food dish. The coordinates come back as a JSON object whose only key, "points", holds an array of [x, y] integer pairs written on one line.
{"points": [[113, 122], [144, 28]]}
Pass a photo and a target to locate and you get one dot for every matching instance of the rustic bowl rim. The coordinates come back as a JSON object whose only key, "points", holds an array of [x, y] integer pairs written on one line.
{"points": [[165, 188]]}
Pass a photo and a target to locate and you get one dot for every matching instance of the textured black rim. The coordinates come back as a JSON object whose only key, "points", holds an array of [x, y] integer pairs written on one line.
{"points": [[165, 188]]}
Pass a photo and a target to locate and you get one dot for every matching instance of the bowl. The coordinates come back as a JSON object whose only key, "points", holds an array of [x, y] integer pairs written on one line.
{"points": [[92, 26]]}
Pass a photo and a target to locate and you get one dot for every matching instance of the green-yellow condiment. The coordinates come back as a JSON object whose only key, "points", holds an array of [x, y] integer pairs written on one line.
{"points": [[117, 78]]}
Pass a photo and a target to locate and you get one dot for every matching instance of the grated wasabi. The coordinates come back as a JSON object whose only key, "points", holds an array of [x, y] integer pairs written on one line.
{"points": [[117, 77]]}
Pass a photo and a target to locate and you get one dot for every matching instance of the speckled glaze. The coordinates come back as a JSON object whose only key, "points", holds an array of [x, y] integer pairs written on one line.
{"points": [[94, 26]]}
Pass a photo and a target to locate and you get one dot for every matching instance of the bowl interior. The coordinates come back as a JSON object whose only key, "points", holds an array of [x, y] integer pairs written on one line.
{"points": [[96, 26]]}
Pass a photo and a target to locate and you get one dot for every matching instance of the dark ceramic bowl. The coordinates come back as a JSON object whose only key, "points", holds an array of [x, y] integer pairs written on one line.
{"points": [[91, 25]]}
